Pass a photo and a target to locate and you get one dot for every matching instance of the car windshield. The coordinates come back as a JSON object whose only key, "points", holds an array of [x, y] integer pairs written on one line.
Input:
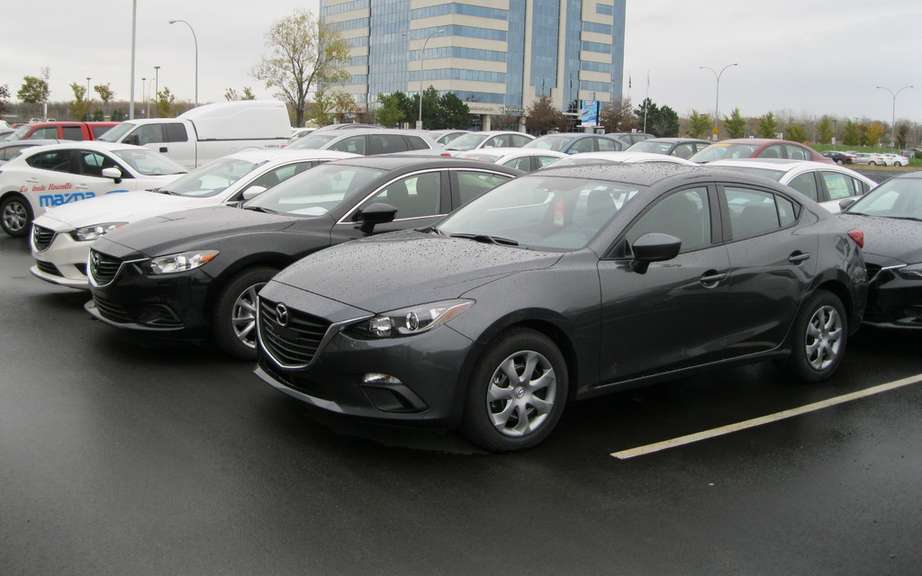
{"points": [[317, 192], [312, 141], [652, 147], [115, 133], [556, 143], [466, 142], [895, 198], [213, 178], [450, 137], [149, 163], [19, 132], [542, 212], [725, 152]]}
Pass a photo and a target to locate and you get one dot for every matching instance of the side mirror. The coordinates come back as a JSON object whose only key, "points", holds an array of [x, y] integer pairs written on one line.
{"points": [[845, 203], [374, 214], [253, 192], [654, 247], [113, 173]]}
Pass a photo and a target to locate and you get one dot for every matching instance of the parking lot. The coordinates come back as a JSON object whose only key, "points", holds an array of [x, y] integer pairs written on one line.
{"points": [[128, 457]]}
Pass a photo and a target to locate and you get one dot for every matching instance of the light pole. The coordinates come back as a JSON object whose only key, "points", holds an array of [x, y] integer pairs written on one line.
{"points": [[144, 97], [893, 118], [422, 60], [195, 42], [157, 85], [134, 29], [717, 76], [88, 78]]}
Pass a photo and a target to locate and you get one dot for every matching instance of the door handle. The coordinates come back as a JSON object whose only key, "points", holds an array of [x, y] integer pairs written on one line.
{"points": [[81, 187], [798, 257], [32, 180], [163, 149], [712, 278]]}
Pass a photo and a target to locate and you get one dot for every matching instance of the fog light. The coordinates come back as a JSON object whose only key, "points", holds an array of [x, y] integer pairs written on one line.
{"points": [[375, 379]]}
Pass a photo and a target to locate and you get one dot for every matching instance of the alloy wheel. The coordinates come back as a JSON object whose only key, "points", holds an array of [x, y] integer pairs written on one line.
{"points": [[243, 315], [15, 216], [521, 393], [824, 338]]}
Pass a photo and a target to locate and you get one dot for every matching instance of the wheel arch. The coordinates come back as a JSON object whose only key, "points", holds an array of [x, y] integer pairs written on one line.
{"points": [[263, 259]]}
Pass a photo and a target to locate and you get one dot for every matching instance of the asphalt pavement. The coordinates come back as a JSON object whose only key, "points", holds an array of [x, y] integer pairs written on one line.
{"points": [[120, 456]]}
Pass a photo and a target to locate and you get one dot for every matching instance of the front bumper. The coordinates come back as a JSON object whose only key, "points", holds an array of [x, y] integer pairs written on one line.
{"points": [[894, 302], [63, 262]]}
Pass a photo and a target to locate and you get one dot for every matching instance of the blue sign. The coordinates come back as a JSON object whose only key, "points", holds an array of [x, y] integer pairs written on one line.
{"points": [[589, 112]]}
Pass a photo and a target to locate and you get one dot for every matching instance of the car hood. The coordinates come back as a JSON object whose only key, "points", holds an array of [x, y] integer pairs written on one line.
{"points": [[164, 234], [123, 207], [888, 241], [392, 271]]}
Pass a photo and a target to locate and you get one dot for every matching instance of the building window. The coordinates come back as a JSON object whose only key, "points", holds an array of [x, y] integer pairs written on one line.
{"points": [[458, 30], [595, 86], [595, 66], [544, 45], [357, 42], [453, 8], [458, 74], [606, 9], [596, 27], [348, 25], [597, 47], [333, 9], [459, 52]]}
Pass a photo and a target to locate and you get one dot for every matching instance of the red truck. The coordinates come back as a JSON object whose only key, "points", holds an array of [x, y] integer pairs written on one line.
{"points": [[61, 131]]}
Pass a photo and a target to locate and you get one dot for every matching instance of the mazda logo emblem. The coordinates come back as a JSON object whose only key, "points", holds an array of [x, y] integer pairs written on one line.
{"points": [[281, 314]]}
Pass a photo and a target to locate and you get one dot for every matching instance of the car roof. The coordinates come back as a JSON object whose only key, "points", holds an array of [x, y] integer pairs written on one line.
{"points": [[646, 174], [784, 164], [393, 162], [281, 155], [30, 143], [87, 145], [672, 140], [630, 157]]}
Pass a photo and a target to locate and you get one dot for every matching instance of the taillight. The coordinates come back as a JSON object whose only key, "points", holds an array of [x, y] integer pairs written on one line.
{"points": [[445, 155], [857, 236]]}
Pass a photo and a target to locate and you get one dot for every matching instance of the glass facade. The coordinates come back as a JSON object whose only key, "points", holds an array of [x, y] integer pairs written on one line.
{"points": [[459, 52], [515, 54], [453, 8], [458, 30], [342, 8], [348, 25], [388, 47], [596, 27], [572, 58], [597, 47], [546, 20], [458, 74], [605, 9]]}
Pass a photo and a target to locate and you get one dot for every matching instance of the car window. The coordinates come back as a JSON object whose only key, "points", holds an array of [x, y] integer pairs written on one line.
{"points": [[385, 144], [752, 212], [355, 145], [73, 133], [523, 164], [838, 186], [606, 145], [11, 152], [56, 160], [496, 142], [93, 163], [684, 151], [773, 151], [473, 185], [146, 134], [413, 197], [861, 187], [48, 133], [685, 214], [518, 140], [796, 152], [175, 132], [787, 211], [99, 131], [701, 146], [806, 185], [279, 175], [546, 160], [415, 143], [583, 145]]}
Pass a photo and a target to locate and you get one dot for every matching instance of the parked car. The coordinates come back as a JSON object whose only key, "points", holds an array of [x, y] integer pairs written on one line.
{"points": [[209, 132], [299, 132], [823, 183], [10, 150], [347, 126], [897, 160], [61, 131], [628, 139], [576, 143], [757, 148], [840, 158], [61, 238], [495, 139], [891, 218], [366, 141], [620, 158], [681, 147], [196, 273], [868, 158], [443, 137], [47, 176], [4, 132], [524, 159], [564, 284]]}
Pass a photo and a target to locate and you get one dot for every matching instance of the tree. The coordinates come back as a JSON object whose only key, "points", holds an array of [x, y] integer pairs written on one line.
{"points": [[302, 52], [390, 113], [4, 98], [698, 125], [852, 134], [768, 126], [902, 133], [79, 108], [824, 130], [796, 133], [343, 105], [454, 113], [735, 124], [875, 131], [661, 122], [322, 108], [231, 94], [542, 116], [34, 90], [618, 116], [165, 100], [645, 114]]}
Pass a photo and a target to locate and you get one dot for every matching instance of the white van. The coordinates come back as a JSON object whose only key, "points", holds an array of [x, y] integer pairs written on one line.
{"points": [[209, 132]]}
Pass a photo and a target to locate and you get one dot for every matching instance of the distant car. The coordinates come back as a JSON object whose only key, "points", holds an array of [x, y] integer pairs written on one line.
{"points": [[681, 147], [61, 131], [346, 126], [524, 159], [869, 158], [823, 183], [495, 139], [10, 150], [620, 158], [443, 137], [577, 143], [740, 148], [897, 160], [366, 141], [840, 158], [628, 139]]}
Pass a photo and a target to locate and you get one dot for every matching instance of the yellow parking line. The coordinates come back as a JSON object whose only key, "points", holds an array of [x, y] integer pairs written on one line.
{"points": [[762, 420]]}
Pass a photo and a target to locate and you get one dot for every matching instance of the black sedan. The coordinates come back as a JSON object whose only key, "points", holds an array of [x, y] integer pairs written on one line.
{"points": [[576, 143], [891, 218], [565, 284], [196, 274]]}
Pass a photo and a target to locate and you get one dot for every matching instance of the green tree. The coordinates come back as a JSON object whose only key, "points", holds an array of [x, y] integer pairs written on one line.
{"points": [[875, 131], [105, 93], [98, 115], [542, 116], [165, 100], [699, 125], [34, 90], [618, 116], [665, 123], [795, 132], [453, 112], [343, 105], [646, 111], [852, 134], [119, 115], [390, 113], [79, 108], [735, 124], [824, 130], [902, 135], [323, 106], [768, 126], [231, 94], [302, 53], [4, 98]]}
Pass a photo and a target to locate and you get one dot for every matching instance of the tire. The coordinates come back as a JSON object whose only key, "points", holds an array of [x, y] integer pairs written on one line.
{"points": [[872, 163], [234, 301], [815, 323], [839, 162], [15, 215], [497, 426]]}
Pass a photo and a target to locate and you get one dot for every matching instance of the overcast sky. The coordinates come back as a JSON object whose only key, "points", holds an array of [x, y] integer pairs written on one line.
{"points": [[808, 57]]}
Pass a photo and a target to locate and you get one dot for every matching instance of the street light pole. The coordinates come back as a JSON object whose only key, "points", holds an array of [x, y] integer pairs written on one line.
{"points": [[422, 61], [717, 76], [195, 43], [134, 29], [144, 97], [88, 78], [893, 117], [157, 84]]}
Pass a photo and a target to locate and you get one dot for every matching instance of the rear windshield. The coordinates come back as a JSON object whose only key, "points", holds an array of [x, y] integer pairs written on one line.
{"points": [[720, 151], [312, 141], [556, 143]]}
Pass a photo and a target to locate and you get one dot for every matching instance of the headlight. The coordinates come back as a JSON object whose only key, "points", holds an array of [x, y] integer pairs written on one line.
{"points": [[179, 262], [410, 321], [88, 233], [911, 272]]}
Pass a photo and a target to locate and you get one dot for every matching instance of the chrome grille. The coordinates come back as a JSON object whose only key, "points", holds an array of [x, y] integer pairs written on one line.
{"points": [[103, 267], [295, 343], [42, 237]]}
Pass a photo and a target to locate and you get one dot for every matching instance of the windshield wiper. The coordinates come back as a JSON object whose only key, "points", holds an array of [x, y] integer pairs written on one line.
{"points": [[430, 230], [488, 239]]}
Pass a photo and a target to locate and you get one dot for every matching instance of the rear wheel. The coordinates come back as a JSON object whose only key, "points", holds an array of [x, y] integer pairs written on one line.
{"points": [[820, 337], [15, 215], [234, 317]]}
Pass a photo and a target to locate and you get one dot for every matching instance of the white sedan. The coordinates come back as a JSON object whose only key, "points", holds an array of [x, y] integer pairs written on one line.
{"points": [[621, 158], [827, 184], [44, 177], [61, 238], [524, 159]]}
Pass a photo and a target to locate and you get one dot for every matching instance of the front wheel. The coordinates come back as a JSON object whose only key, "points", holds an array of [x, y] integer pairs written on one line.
{"points": [[234, 316], [820, 337], [15, 215], [517, 392]]}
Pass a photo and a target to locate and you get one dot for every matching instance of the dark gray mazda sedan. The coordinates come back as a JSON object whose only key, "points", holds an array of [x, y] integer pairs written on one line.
{"points": [[563, 285]]}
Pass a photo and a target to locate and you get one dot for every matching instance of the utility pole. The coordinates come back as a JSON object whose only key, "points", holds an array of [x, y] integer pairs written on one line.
{"points": [[717, 76], [157, 86], [893, 117]]}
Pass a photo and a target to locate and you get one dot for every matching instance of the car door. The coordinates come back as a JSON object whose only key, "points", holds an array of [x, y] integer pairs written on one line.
{"points": [[180, 146], [90, 181], [673, 315], [771, 264], [468, 185], [52, 180]]}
